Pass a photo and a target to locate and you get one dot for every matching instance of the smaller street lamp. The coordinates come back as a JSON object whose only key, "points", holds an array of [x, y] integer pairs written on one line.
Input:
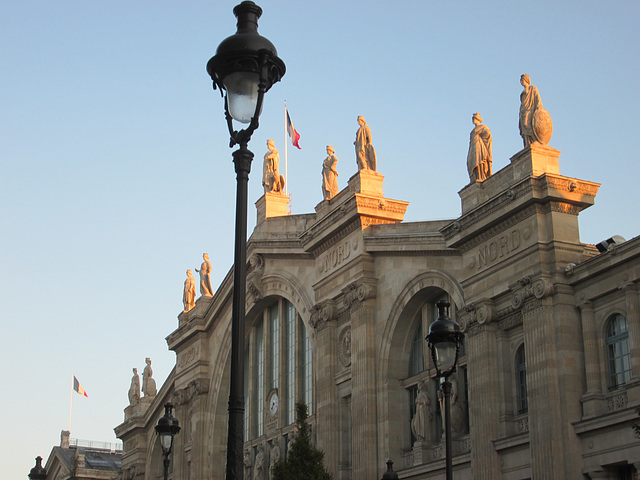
{"points": [[444, 341], [167, 428], [38, 472]]}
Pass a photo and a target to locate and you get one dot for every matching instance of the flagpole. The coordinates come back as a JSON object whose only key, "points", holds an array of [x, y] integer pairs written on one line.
{"points": [[286, 178], [71, 401]]}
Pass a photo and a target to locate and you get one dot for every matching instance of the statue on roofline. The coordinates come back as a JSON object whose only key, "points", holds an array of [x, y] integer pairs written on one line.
{"points": [[534, 121]]}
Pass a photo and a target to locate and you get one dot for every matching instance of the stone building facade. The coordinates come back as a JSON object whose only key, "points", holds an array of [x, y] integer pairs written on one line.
{"points": [[339, 302]]}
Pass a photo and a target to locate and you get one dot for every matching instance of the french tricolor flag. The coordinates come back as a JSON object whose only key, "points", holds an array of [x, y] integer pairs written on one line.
{"points": [[293, 134]]}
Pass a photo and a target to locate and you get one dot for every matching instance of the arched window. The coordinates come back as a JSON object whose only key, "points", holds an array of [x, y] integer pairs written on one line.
{"points": [[521, 380], [618, 357], [279, 363]]}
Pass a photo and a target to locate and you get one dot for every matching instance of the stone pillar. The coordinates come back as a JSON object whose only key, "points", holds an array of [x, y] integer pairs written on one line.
{"points": [[484, 409], [591, 350], [591, 400], [363, 382], [323, 321], [633, 326]]}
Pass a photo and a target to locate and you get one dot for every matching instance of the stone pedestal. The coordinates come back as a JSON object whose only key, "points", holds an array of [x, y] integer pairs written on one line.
{"points": [[272, 205], [535, 160], [367, 181], [421, 453], [139, 408]]}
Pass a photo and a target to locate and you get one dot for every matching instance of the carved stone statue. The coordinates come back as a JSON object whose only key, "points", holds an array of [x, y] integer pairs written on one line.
{"points": [[457, 411], [535, 122], [424, 415], [205, 276], [274, 455], [189, 293], [365, 153], [479, 157], [247, 463], [148, 383], [330, 174], [134, 389], [272, 181], [258, 467]]}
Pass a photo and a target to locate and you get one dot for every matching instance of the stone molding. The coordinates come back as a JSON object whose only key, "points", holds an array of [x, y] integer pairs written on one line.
{"points": [[496, 230], [487, 209]]}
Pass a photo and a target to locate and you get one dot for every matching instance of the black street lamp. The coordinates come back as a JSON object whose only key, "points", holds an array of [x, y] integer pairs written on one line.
{"points": [[38, 472], [245, 65], [167, 428], [444, 340]]}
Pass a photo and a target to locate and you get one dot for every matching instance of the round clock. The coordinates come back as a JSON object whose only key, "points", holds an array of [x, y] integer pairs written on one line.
{"points": [[273, 403]]}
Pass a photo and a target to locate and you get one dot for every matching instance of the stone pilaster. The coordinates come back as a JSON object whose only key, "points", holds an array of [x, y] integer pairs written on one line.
{"points": [[484, 409], [323, 322], [359, 298], [633, 326]]}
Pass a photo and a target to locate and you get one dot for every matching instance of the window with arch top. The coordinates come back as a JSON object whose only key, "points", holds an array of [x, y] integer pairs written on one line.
{"points": [[618, 356]]}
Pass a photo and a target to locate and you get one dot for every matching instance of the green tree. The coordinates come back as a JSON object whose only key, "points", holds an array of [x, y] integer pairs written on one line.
{"points": [[304, 461]]}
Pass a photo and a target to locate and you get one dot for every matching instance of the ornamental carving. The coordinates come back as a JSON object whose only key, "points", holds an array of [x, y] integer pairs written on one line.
{"points": [[528, 288], [477, 313], [356, 293], [255, 287], [321, 314], [344, 347], [193, 389]]}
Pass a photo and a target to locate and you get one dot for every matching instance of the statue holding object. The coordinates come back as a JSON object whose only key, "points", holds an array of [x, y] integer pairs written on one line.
{"points": [[534, 121], [272, 181]]}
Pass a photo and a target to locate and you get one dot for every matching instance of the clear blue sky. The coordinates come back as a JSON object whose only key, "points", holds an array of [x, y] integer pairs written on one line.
{"points": [[116, 173]]}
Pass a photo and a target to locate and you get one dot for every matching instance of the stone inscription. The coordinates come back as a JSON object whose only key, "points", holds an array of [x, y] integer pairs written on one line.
{"points": [[336, 256], [497, 249], [188, 357]]}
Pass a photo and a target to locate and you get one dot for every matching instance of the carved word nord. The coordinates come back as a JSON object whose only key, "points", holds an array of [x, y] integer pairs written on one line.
{"points": [[336, 256], [498, 248]]}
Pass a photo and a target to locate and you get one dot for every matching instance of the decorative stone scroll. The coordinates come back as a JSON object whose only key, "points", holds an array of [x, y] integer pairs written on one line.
{"points": [[527, 288], [321, 314], [475, 314], [356, 293]]}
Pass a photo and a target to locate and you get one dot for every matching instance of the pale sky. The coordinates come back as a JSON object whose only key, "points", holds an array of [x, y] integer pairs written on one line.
{"points": [[116, 173]]}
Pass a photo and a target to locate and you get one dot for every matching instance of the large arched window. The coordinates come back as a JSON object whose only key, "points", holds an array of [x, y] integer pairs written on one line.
{"points": [[521, 380], [420, 371], [278, 368], [618, 357]]}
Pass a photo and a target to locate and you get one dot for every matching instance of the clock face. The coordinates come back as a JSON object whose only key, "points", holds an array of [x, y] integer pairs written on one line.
{"points": [[273, 404]]}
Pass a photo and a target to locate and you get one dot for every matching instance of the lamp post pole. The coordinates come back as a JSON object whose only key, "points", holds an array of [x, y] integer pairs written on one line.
{"points": [[444, 341], [446, 391], [245, 66]]}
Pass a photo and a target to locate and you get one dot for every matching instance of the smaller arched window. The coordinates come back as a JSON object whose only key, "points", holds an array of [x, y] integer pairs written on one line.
{"points": [[618, 357], [521, 380]]}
